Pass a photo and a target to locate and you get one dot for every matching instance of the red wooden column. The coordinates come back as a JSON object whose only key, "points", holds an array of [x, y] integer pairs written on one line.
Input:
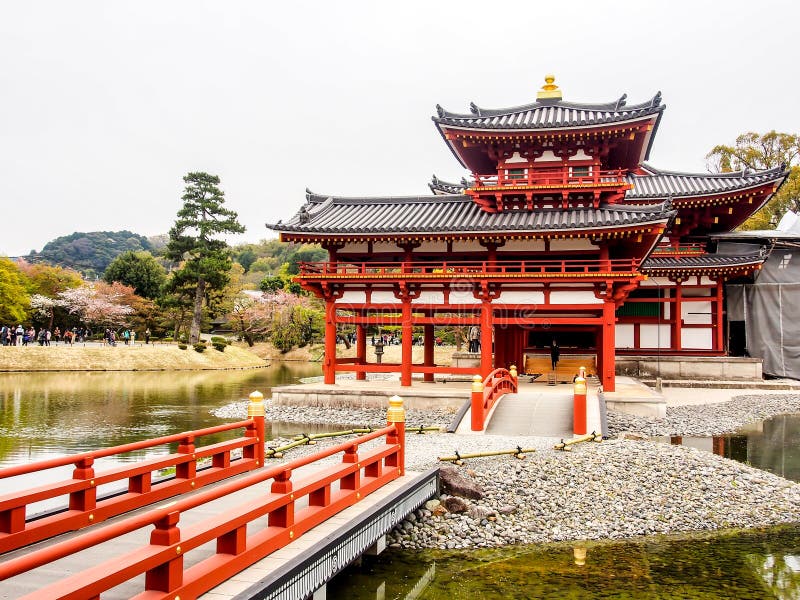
{"points": [[677, 319], [607, 378], [407, 340], [719, 318], [361, 350], [329, 365], [487, 323], [429, 347]]}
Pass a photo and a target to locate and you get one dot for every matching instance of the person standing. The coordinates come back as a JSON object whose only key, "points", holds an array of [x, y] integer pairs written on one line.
{"points": [[555, 353], [474, 338], [20, 334], [133, 337], [147, 336]]}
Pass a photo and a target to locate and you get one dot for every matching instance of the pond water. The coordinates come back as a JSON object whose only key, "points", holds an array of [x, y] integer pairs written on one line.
{"points": [[45, 415]]}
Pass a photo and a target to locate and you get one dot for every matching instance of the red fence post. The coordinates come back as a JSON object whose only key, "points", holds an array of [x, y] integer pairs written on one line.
{"points": [[396, 415], [477, 403], [85, 499], [283, 516], [186, 470], [169, 575], [255, 412]]}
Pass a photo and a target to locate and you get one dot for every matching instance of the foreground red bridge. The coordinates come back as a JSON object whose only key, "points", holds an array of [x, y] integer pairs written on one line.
{"points": [[199, 540]]}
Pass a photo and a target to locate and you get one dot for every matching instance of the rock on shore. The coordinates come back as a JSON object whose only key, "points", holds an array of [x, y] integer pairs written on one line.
{"points": [[613, 489]]}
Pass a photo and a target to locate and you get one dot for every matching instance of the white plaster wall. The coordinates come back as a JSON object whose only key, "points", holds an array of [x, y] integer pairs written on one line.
{"points": [[574, 244], [656, 282], [522, 246], [547, 156], [580, 155], [574, 298], [462, 297], [623, 335], [385, 247], [384, 297], [432, 247], [707, 281], [696, 292], [467, 246], [353, 297], [354, 247], [516, 158], [429, 298], [696, 339], [520, 298], [648, 336], [696, 313]]}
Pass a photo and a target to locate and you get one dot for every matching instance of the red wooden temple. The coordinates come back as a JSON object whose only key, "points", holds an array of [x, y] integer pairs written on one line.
{"points": [[562, 232]]}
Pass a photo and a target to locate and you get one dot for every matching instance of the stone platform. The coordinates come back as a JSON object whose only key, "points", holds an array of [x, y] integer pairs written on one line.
{"points": [[722, 368], [633, 397]]}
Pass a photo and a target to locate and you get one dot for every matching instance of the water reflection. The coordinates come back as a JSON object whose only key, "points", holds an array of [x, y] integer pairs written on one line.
{"points": [[52, 414], [760, 564], [772, 445]]}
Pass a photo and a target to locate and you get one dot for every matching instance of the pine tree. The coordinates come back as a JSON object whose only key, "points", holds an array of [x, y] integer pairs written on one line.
{"points": [[203, 260]]}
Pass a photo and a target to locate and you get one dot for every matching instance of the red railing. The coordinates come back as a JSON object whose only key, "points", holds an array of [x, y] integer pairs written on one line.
{"points": [[552, 178], [469, 268], [485, 393], [292, 507], [84, 507]]}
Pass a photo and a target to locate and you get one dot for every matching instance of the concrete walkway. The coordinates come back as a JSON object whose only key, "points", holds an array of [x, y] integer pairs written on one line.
{"points": [[533, 413]]}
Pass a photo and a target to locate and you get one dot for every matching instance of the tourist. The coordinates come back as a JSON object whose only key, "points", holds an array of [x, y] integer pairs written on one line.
{"points": [[57, 334], [474, 338], [20, 333], [133, 337], [554, 353], [147, 336], [47, 335], [126, 335], [42, 336], [67, 337]]}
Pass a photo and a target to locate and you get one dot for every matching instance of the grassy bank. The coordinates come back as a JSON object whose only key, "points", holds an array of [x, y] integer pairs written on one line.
{"points": [[163, 357]]}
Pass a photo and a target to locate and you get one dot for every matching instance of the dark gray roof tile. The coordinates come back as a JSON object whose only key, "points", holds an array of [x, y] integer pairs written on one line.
{"points": [[657, 184]]}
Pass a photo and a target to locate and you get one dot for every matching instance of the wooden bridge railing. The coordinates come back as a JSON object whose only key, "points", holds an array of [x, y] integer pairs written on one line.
{"points": [[85, 509], [486, 392], [328, 490]]}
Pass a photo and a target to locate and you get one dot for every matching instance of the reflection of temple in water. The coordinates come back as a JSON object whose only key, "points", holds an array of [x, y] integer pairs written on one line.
{"points": [[772, 445]]}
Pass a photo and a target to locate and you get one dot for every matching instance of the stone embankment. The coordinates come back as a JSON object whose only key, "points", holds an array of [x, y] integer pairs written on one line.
{"points": [[617, 488]]}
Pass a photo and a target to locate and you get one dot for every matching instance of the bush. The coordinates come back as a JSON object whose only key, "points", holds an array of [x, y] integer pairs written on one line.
{"points": [[219, 346], [218, 339], [182, 346], [167, 339], [200, 347]]}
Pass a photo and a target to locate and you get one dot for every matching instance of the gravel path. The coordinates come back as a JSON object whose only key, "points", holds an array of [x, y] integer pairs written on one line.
{"points": [[613, 489], [707, 419]]}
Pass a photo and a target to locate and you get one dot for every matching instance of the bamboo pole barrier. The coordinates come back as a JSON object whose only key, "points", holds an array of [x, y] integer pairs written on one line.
{"points": [[459, 459], [591, 437]]}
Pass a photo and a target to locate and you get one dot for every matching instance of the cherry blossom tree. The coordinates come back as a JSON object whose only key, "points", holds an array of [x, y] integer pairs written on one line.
{"points": [[98, 304]]}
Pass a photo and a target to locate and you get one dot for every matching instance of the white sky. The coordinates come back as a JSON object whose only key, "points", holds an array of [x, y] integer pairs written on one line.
{"points": [[105, 105]]}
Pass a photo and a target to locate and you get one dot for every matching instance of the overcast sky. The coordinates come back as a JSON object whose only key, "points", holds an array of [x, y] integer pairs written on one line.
{"points": [[105, 105]]}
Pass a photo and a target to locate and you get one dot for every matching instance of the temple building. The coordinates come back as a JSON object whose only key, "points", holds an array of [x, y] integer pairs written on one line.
{"points": [[561, 233]]}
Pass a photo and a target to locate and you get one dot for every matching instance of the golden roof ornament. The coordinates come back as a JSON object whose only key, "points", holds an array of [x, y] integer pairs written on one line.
{"points": [[550, 90]]}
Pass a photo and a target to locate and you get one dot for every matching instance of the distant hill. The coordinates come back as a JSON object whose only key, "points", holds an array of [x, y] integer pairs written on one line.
{"points": [[91, 252]]}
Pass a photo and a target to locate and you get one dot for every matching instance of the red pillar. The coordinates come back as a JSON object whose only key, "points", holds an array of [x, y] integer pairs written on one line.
{"points": [[361, 350], [408, 338], [429, 347], [329, 365], [719, 318], [677, 319], [608, 362], [486, 337]]}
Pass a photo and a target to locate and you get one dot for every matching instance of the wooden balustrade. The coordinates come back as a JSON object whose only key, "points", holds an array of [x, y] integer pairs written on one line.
{"points": [[326, 491], [84, 506], [551, 178], [485, 393]]}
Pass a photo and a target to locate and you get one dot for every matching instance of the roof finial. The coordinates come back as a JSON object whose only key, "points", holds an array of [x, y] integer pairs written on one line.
{"points": [[549, 90]]}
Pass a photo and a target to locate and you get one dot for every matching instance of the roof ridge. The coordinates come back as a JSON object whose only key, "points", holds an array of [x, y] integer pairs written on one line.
{"points": [[319, 198], [613, 106], [732, 174]]}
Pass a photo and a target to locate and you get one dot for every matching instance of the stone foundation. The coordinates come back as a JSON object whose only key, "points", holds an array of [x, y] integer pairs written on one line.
{"points": [[725, 368]]}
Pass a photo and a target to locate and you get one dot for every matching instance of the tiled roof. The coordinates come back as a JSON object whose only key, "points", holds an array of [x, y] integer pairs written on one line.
{"points": [[549, 114], [454, 213], [706, 261], [658, 184]]}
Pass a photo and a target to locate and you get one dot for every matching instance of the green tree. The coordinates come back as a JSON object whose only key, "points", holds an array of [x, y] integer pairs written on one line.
{"points": [[763, 151], [140, 270], [14, 299], [203, 260], [246, 258]]}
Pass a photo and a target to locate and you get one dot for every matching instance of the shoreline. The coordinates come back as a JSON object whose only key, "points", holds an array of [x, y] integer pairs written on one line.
{"points": [[613, 490]]}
